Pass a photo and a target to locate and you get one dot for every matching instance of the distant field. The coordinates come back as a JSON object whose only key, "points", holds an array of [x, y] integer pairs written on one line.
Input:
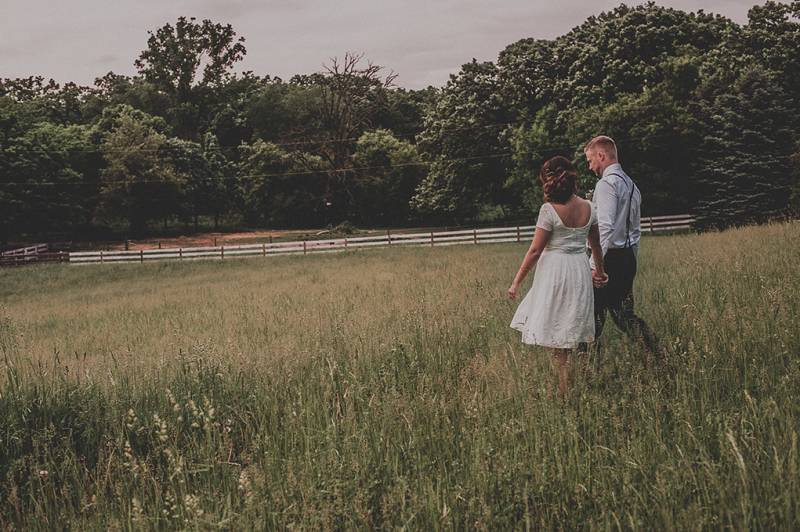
{"points": [[384, 389]]}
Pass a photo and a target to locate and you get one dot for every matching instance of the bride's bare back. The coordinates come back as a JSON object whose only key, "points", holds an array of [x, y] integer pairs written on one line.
{"points": [[575, 213]]}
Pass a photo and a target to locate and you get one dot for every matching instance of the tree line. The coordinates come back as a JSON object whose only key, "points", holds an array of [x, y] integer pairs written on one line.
{"points": [[705, 111]]}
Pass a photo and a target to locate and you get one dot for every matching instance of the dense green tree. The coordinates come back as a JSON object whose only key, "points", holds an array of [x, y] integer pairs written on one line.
{"points": [[49, 180], [282, 188], [112, 115], [221, 196], [287, 113], [532, 144], [462, 142], [772, 37], [623, 50], [139, 179], [527, 73], [174, 55], [387, 172], [745, 171], [405, 111], [230, 127], [201, 186], [351, 97], [172, 62], [114, 90]]}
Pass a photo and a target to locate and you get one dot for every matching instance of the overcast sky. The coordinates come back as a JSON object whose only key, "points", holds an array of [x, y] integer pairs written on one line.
{"points": [[422, 40]]}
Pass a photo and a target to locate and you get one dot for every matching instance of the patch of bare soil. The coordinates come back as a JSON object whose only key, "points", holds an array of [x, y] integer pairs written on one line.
{"points": [[216, 239]]}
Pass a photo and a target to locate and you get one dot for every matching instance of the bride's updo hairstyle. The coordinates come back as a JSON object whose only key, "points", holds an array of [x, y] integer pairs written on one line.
{"points": [[559, 179]]}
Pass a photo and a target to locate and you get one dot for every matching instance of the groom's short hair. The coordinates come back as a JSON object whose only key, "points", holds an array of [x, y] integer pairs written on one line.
{"points": [[604, 143]]}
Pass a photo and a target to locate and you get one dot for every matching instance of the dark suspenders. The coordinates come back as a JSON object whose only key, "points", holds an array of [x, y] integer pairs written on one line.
{"points": [[628, 217]]}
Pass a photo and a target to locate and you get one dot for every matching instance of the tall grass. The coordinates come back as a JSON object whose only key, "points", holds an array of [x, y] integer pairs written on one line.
{"points": [[384, 389]]}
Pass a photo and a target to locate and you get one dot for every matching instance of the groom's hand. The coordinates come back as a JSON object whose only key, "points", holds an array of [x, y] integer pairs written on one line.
{"points": [[598, 280]]}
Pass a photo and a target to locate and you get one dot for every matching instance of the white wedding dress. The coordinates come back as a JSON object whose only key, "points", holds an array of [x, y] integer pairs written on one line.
{"points": [[558, 311]]}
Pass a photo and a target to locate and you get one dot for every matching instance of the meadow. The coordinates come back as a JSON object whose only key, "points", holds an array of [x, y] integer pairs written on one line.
{"points": [[384, 389]]}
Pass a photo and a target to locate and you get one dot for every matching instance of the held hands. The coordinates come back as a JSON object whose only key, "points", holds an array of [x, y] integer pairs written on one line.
{"points": [[599, 280]]}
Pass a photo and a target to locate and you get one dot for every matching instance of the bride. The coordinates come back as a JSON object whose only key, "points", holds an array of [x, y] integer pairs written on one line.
{"points": [[558, 311]]}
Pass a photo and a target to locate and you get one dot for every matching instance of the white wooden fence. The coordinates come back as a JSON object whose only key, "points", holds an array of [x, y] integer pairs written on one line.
{"points": [[25, 252], [431, 238], [29, 255]]}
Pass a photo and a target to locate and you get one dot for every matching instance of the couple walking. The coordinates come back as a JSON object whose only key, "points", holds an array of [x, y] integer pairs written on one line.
{"points": [[566, 307]]}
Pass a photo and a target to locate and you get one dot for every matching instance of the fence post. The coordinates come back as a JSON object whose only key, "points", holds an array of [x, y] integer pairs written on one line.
{"points": [[101, 256], [651, 225], [518, 238], [215, 241], [263, 250], [345, 242], [305, 247], [389, 236], [475, 235], [222, 252], [431, 238], [159, 244], [180, 253], [141, 256]]}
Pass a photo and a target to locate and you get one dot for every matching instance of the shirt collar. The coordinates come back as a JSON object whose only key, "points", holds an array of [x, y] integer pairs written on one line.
{"points": [[613, 168]]}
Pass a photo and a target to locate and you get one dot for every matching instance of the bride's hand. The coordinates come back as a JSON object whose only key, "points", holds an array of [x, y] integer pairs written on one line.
{"points": [[512, 291]]}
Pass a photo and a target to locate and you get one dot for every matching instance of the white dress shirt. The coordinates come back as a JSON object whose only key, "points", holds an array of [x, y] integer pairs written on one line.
{"points": [[611, 197]]}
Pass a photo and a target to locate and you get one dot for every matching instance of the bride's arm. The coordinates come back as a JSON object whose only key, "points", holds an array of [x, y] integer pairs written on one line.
{"points": [[540, 239]]}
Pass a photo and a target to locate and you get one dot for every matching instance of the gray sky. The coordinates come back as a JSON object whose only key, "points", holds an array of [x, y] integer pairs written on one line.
{"points": [[422, 40]]}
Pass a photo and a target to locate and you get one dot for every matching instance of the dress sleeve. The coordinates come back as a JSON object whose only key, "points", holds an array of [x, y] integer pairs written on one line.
{"points": [[545, 220]]}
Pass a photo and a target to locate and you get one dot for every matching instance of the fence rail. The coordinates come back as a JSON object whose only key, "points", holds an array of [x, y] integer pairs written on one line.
{"points": [[305, 247], [30, 250], [31, 255]]}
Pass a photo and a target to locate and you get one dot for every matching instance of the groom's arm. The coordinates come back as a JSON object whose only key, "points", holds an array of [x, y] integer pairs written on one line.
{"points": [[606, 197]]}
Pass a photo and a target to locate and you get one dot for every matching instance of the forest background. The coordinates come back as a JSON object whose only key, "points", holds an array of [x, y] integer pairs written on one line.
{"points": [[705, 111]]}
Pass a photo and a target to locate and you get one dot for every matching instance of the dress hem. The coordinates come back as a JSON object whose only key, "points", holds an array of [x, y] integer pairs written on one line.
{"points": [[572, 344]]}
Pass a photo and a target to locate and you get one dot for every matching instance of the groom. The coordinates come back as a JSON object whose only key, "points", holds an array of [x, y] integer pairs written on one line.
{"points": [[617, 201]]}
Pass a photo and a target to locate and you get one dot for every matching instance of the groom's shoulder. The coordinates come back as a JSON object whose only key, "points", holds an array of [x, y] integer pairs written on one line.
{"points": [[615, 177], [607, 180]]}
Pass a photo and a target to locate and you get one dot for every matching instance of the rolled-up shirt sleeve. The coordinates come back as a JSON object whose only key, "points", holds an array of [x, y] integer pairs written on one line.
{"points": [[605, 197]]}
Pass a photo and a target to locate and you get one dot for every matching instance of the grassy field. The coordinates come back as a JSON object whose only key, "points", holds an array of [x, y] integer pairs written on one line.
{"points": [[384, 389]]}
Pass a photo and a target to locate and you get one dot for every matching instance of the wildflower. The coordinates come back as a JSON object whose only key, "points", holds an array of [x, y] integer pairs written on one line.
{"points": [[208, 413], [161, 428], [195, 413], [137, 513], [176, 406], [246, 486], [192, 505], [129, 461], [170, 510], [131, 420]]}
